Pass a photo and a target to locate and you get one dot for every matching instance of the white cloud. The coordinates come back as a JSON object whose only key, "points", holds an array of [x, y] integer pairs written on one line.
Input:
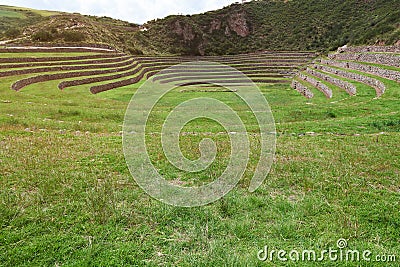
{"points": [[138, 11]]}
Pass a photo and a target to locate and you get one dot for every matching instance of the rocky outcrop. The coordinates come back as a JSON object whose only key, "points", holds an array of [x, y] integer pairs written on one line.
{"points": [[184, 30], [238, 23], [215, 25]]}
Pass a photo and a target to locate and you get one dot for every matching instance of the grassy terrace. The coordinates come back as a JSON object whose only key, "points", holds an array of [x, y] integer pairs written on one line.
{"points": [[13, 10], [258, 66], [350, 67], [67, 197], [48, 54]]}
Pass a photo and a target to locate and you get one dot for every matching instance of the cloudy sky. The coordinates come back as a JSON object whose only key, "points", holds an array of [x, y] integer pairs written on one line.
{"points": [[138, 11]]}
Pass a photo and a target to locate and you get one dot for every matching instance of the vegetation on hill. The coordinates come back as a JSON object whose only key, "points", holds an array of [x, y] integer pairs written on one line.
{"points": [[43, 27], [239, 28], [14, 19], [78, 28], [277, 25]]}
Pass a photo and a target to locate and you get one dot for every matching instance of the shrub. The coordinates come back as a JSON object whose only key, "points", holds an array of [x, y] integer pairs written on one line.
{"points": [[43, 36], [13, 33], [73, 36], [134, 51]]}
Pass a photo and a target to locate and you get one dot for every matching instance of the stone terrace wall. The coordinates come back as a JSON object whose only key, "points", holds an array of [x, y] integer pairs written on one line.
{"points": [[348, 87], [52, 59], [101, 46], [302, 89], [383, 59], [63, 68], [384, 73], [320, 86], [365, 49], [66, 84], [109, 86], [18, 85], [63, 63], [53, 50], [377, 85]]}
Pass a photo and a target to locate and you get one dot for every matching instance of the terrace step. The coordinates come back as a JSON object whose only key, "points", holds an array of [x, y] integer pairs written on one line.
{"points": [[319, 85], [348, 87], [302, 89], [374, 83], [384, 73]]}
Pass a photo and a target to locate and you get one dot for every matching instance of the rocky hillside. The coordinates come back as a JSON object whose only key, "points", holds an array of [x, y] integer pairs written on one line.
{"points": [[278, 25], [28, 26], [320, 25]]}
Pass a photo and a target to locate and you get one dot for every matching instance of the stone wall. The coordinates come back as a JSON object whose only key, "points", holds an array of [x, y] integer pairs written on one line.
{"points": [[383, 59], [302, 89], [18, 85], [66, 84], [54, 50], [320, 86], [52, 59], [365, 49], [384, 73], [348, 87], [377, 85], [63, 63], [101, 46], [63, 68]]}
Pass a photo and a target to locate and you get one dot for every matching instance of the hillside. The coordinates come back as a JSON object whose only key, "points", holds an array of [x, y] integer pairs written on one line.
{"points": [[26, 26], [320, 25], [277, 25], [14, 19]]}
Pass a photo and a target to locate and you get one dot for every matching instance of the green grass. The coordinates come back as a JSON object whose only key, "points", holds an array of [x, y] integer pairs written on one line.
{"points": [[10, 14], [44, 13], [45, 54], [67, 197]]}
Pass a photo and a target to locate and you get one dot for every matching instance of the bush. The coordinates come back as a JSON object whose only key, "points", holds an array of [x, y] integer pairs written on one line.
{"points": [[43, 36], [13, 33], [73, 36], [134, 51]]}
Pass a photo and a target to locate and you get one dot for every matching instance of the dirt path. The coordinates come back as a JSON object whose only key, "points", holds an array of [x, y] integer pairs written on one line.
{"points": [[8, 41]]}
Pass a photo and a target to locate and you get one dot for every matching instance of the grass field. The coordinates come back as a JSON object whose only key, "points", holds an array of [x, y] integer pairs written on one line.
{"points": [[68, 199], [39, 55], [10, 14], [19, 11]]}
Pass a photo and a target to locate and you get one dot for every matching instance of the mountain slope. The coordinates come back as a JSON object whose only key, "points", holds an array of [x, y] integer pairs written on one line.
{"points": [[320, 25], [14, 19], [278, 25], [38, 27]]}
